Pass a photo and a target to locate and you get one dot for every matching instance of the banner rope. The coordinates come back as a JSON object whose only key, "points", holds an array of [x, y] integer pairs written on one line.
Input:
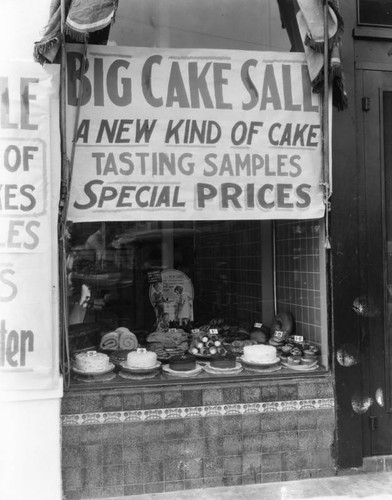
{"points": [[326, 135], [67, 171]]}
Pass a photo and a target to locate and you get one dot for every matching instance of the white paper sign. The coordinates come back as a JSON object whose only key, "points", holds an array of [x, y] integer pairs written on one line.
{"points": [[30, 170], [178, 134]]}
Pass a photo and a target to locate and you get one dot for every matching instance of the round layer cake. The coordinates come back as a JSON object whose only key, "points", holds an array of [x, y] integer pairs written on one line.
{"points": [[141, 358], [119, 356], [228, 361], [184, 363], [261, 354], [91, 361]]}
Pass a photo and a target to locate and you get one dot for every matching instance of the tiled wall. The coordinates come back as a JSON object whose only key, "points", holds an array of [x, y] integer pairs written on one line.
{"points": [[134, 441], [300, 276], [229, 269]]}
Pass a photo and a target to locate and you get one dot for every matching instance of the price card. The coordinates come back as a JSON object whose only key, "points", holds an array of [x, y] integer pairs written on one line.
{"points": [[213, 331], [298, 338], [172, 330], [278, 334], [258, 325]]}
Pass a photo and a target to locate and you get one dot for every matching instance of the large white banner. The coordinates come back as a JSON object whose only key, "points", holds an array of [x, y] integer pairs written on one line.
{"points": [[171, 134], [29, 192]]}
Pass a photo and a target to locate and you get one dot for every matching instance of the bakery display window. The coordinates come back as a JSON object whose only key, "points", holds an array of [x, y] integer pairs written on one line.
{"points": [[199, 299], [168, 300]]}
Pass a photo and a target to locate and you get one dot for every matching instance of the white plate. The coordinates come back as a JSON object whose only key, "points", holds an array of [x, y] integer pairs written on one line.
{"points": [[102, 372], [136, 376], [266, 369], [179, 373], [222, 371], [126, 368], [302, 368], [261, 365], [236, 367], [101, 378]]}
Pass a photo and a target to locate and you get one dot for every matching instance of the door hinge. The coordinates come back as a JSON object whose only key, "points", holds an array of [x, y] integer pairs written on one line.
{"points": [[365, 103], [373, 423]]}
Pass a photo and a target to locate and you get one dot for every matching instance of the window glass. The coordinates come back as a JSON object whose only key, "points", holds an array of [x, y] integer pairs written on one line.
{"points": [[116, 265], [224, 24], [375, 12], [170, 284]]}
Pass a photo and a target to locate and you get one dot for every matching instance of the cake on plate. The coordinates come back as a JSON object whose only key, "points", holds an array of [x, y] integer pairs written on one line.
{"points": [[227, 361], [119, 356], [141, 358], [259, 354], [91, 362], [183, 363]]}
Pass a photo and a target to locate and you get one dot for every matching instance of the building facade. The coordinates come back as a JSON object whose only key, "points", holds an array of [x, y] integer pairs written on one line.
{"points": [[298, 258]]}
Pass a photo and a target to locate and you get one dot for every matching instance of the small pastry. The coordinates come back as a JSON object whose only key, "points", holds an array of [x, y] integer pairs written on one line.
{"points": [[294, 360]]}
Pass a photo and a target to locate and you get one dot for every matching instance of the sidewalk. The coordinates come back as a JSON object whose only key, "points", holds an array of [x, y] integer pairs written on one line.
{"points": [[374, 486]]}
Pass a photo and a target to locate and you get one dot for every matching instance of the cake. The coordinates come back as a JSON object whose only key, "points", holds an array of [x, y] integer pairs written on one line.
{"points": [[261, 354], [183, 363], [228, 361], [91, 361], [119, 356], [141, 358]]}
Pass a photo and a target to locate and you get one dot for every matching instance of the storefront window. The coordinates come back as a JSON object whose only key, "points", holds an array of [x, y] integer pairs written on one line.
{"points": [[196, 293], [164, 286]]}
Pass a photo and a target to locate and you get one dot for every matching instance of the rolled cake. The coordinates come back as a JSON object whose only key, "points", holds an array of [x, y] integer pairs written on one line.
{"points": [[91, 361], [261, 354], [141, 358]]}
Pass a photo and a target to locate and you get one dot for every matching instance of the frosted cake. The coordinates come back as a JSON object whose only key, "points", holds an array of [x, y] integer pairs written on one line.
{"points": [[91, 361], [261, 354], [141, 358]]}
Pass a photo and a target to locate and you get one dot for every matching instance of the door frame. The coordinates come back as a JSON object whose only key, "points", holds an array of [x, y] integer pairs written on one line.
{"points": [[374, 343]]}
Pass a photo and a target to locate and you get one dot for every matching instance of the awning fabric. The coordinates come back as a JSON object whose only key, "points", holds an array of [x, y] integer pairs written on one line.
{"points": [[310, 18], [84, 19], [90, 20]]}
